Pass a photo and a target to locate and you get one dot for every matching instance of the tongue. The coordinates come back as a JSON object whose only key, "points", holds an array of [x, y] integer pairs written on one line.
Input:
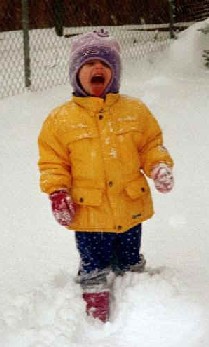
{"points": [[97, 89]]}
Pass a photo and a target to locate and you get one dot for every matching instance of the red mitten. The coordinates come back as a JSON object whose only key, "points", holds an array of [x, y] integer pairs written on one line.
{"points": [[163, 178], [63, 207]]}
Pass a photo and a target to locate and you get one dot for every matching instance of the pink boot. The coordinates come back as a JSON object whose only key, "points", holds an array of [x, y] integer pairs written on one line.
{"points": [[97, 305]]}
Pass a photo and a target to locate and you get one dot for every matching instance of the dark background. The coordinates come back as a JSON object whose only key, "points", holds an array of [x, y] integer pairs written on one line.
{"points": [[49, 13]]}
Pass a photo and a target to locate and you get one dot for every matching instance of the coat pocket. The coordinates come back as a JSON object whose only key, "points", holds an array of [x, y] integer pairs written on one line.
{"points": [[130, 135], [87, 196], [79, 134], [137, 188], [126, 126]]}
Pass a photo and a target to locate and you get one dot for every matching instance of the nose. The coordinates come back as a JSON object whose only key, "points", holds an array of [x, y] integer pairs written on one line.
{"points": [[98, 64]]}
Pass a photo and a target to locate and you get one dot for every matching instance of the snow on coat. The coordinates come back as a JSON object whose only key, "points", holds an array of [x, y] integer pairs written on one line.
{"points": [[101, 150]]}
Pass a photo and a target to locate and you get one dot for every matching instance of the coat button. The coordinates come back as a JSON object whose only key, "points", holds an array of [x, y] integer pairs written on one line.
{"points": [[119, 227], [110, 183], [81, 199], [101, 116], [142, 189]]}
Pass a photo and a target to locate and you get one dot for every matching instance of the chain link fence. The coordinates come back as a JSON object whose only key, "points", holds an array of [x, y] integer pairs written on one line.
{"points": [[35, 39]]}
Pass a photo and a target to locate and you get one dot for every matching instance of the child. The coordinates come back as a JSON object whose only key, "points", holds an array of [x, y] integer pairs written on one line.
{"points": [[95, 151]]}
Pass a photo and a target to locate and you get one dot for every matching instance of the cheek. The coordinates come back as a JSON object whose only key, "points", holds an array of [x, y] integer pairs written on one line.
{"points": [[84, 78], [109, 76]]}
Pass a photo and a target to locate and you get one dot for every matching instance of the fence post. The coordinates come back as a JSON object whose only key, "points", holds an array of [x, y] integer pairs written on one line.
{"points": [[58, 8], [171, 18], [25, 28]]}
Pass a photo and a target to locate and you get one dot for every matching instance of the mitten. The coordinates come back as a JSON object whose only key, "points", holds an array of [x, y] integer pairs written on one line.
{"points": [[62, 206], [163, 178]]}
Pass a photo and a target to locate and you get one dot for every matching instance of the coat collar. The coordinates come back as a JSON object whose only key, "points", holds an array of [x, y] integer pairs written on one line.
{"points": [[95, 104]]}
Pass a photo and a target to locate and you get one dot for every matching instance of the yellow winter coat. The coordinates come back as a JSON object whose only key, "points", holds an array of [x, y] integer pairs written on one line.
{"points": [[100, 150]]}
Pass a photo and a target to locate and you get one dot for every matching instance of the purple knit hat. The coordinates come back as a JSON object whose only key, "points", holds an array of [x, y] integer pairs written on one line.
{"points": [[95, 45]]}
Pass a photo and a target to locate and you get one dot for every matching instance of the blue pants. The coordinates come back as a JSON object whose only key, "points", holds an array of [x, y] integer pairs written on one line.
{"points": [[101, 250]]}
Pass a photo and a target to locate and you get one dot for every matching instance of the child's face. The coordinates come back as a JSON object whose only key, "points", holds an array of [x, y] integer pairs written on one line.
{"points": [[94, 77]]}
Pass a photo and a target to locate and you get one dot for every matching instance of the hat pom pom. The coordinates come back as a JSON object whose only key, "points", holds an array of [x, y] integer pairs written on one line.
{"points": [[102, 33]]}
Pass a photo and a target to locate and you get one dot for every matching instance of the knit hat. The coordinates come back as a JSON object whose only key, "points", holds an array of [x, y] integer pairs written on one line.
{"points": [[95, 45]]}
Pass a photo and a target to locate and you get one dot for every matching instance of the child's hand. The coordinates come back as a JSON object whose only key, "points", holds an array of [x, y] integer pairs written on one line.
{"points": [[63, 207], [163, 178]]}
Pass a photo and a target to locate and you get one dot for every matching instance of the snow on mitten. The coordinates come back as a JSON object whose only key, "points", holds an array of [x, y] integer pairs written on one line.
{"points": [[163, 178], [62, 206]]}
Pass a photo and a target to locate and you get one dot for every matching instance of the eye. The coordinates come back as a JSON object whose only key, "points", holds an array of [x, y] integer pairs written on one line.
{"points": [[105, 64], [90, 63]]}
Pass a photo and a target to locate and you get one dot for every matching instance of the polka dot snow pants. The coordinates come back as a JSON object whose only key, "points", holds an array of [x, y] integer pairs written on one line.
{"points": [[101, 252]]}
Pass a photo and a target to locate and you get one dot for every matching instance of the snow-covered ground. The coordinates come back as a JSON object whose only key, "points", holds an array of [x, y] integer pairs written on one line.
{"points": [[40, 305]]}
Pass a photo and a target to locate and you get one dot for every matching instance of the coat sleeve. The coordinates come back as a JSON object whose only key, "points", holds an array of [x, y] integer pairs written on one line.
{"points": [[153, 151], [53, 161]]}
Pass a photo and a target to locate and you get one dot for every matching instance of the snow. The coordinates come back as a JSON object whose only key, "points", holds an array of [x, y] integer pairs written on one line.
{"points": [[168, 306]]}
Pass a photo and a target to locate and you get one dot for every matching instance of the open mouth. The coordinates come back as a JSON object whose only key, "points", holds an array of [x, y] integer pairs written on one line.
{"points": [[98, 79]]}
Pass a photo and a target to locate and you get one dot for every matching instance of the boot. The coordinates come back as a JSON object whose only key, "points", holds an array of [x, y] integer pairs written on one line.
{"points": [[140, 266], [98, 304]]}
